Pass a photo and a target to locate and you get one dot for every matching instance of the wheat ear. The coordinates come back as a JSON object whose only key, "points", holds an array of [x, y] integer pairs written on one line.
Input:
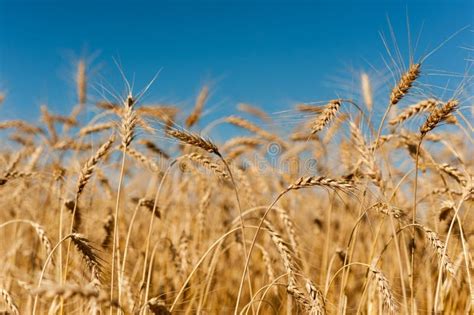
{"points": [[327, 114]]}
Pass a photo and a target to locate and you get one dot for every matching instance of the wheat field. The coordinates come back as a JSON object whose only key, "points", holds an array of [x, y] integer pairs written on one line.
{"points": [[140, 210]]}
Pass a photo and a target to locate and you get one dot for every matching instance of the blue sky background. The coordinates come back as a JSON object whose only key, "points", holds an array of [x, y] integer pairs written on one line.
{"points": [[271, 54]]}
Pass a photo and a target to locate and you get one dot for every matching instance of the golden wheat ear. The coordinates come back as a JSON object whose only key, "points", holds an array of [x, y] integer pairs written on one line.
{"points": [[327, 115], [194, 140], [197, 112], [437, 116], [405, 83], [7, 298], [91, 164]]}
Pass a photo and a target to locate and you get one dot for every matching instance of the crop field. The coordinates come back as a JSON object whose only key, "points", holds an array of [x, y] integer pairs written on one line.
{"points": [[360, 204]]}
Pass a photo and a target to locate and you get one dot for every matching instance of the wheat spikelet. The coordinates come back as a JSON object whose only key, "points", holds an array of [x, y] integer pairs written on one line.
{"points": [[371, 169], [437, 116], [405, 83], [83, 246], [305, 108], [21, 126], [284, 250], [96, 128], [387, 209], [129, 121], [424, 105], [108, 106], [323, 181], [252, 110], [209, 164], [196, 114], [194, 140], [245, 124], [66, 120], [317, 299], [290, 230], [9, 301], [453, 172], [440, 248], [384, 290], [299, 296], [314, 305], [42, 236], [91, 164], [326, 115], [366, 90], [241, 141], [81, 82], [70, 144], [162, 112], [2, 97], [14, 175], [303, 136], [235, 153]]}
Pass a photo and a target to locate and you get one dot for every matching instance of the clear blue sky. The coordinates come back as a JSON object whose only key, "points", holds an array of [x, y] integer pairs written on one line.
{"points": [[267, 54]]}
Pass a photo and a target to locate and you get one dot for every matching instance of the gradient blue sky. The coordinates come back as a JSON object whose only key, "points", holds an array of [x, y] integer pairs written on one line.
{"points": [[265, 53]]}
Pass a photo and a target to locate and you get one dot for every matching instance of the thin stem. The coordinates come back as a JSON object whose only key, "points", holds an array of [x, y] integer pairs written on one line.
{"points": [[253, 244], [196, 266], [116, 242], [44, 269], [243, 235], [413, 221]]}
